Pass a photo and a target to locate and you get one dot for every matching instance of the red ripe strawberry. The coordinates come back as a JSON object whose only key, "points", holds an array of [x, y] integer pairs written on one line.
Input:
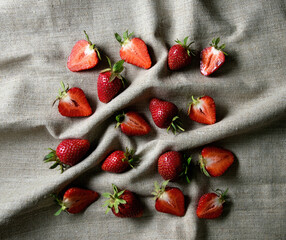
{"points": [[212, 57], [179, 55], [84, 55], [132, 124], [169, 199], [202, 110], [215, 161], [211, 204], [164, 115], [170, 165], [124, 204], [110, 82], [72, 102], [134, 51], [68, 153], [119, 161], [75, 200]]}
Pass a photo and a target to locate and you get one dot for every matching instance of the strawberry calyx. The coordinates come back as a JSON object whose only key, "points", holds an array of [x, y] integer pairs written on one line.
{"points": [[115, 70], [159, 190], [202, 163], [129, 157], [114, 199], [194, 102], [215, 43], [92, 46], [52, 157], [62, 93], [120, 119], [176, 125], [222, 195], [126, 38], [61, 203], [186, 168], [186, 46]]}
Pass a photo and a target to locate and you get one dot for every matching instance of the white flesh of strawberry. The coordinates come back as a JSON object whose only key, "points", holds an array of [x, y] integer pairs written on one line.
{"points": [[214, 52], [88, 50], [166, 198]]}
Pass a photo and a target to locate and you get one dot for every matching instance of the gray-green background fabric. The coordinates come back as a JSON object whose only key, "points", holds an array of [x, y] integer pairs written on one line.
{"points": [[249, 91]]}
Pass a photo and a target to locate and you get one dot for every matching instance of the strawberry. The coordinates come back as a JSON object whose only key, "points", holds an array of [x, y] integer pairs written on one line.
{"points": [[179, 55], [124, 204], [73, 102], [164, 115], [170, 165], [169, 199], [212, 57], [134, 51], [132, 124], [68, 153], [75, 200], [211, 204], [202, 110], [110, 82], [84, 55], [119, 161], [215, 161]]}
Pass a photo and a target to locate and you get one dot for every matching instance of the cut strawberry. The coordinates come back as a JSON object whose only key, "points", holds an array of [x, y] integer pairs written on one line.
{"points": [[134, 51], [84, 55], [202, 110], [215, 161], [132, 124], [212, 57]]}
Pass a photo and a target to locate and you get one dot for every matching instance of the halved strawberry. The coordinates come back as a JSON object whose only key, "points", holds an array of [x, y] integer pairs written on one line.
{"points": [[202, 110], [84, 55], [132, 124], [169, 199], [73, 102], [212, 57], [215, 161], [211, 204], [75, 200], [134, 51]]}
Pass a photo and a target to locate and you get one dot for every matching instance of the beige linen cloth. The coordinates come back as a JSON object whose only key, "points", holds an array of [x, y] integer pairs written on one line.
{"points": [[249, 91]]}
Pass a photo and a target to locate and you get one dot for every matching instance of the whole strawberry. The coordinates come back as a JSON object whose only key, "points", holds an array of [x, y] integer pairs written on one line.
{"points": [[84, 55], [75, 200], [68, 153], [180, 55], [211, 204], [110, 82], [212, 57], [72, 102], [132, 124], [119, 161], [169, 199], [215, 161], [124, 204], [165, 115], [202, 110], [134, 51]]}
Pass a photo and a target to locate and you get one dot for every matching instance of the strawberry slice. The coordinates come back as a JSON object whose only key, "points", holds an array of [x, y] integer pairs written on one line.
{"points": [[84, 55], [169, 199], [211, 204], [75, 200], [132, 124], [72, 102], [134, 51], [215, 161], [202, 110], [212, 57]]}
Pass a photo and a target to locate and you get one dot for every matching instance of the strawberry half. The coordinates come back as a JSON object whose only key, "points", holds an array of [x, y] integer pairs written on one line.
{"points": [[202, 110], [68, 153], [124, 204], [84, 55], [165, 115], [73, 102], [212, 57], [132, 124], [169, 199], [110, 82], [75, 200], [119, 161], [215, 161], [211, 204], [180, 55], [134, 51]]}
